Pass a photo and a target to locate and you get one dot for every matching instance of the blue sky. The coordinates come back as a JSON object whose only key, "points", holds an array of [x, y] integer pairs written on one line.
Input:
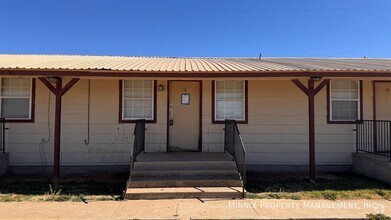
{"points": [[202, 28]]}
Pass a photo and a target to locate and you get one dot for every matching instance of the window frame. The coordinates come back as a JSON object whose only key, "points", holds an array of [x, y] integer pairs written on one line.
{"points": [[214, 121], [121, 118], [31, 103], [359, 105]]}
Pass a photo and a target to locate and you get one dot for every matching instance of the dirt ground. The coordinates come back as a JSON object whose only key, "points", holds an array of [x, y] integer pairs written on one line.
{"points": [[195, 209]]}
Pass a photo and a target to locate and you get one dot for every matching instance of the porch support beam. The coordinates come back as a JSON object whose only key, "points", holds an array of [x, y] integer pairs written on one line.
{"points": [[48, 85], [69, 85], [310, 91], [58, 91]]}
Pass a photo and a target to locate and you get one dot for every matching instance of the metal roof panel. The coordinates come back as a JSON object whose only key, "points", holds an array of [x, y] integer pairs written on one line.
{"points": [[174, 64]]}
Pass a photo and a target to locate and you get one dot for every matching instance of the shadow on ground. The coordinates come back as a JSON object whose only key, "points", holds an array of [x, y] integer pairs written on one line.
{"points": [[260, 186], [327, 186], [111, 185]]}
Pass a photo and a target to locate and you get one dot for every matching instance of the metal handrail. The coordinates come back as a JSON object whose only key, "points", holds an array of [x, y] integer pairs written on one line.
{"points": [[138, 145], [2, 133], [374, 136], [233, 145]]}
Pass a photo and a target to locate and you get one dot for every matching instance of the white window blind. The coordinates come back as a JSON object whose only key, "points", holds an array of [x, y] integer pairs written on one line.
{"points": [[344, 100], [16, 98], [230, 100], [138, 99]]}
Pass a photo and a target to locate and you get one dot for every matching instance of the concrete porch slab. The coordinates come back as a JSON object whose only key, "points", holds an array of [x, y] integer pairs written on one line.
{"points": [[374, 166], [183, 156]]}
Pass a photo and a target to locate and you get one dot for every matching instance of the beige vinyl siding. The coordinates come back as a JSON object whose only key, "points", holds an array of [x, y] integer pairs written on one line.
{"points": [[280, 113], [276, 133], [277, 129], [110, 142]]}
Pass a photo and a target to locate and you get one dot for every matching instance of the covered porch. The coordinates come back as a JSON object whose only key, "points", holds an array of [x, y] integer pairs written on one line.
{"points": [[283, 104]]}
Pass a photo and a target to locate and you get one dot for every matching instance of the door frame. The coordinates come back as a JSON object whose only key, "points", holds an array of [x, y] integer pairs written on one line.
{"points": [[374, 94], [200, 113]]}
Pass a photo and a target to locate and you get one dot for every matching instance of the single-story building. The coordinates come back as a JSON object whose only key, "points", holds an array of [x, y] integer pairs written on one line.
{"points": [[78, 113]]}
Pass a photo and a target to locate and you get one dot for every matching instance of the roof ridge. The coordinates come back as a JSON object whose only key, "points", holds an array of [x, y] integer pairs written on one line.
{"points": [[88, 55], [329, 58], [175, 57]]}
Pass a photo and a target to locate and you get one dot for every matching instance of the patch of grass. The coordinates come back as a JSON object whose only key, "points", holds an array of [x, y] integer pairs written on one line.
{"points": [[74, 189], [328, 186], [378, 217], [296, 197], [107, 198], [12, 198], [57, 198], [329, 194]]}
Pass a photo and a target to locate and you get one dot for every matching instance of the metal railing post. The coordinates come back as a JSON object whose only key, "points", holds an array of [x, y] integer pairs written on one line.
{"points": [[374, 136], [3, 135], [389, 140], [233, 141], [357, 133], [225, 136], [374, 124], [138, 145], [244, 174], [233, 144]]}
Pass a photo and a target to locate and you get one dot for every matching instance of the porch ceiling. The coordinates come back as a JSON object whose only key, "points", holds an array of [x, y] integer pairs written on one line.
{"points": [[152, 66]]}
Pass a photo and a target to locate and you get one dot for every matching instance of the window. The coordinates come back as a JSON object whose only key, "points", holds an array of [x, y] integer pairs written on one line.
{"points": [[230, 100], [345, 103], [138, 100], [16, 98]]}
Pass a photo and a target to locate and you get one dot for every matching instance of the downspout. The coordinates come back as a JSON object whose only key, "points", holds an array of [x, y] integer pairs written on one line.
{"points": [[87, 141]]}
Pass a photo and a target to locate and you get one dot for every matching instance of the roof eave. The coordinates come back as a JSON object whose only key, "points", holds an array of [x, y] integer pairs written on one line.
{"points": [[194, 74]]}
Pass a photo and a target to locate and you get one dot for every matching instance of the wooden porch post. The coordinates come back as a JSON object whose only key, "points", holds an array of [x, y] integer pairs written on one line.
{"points": [[311, 92], [58, 91], [57, 130], [311, 127]]}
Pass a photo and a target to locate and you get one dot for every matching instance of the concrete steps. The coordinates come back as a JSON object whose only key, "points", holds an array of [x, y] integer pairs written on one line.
{"points": [[158, 175], [184, 173], [183, 192], [185, 165], [184, 183]]}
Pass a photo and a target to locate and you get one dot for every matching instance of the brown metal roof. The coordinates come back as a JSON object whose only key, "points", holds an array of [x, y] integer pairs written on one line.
{"points": [[173, 64]]}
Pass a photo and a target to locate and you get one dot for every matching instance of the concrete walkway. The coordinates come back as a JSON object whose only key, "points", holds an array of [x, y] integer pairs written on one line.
{"points": [[195, 209]]}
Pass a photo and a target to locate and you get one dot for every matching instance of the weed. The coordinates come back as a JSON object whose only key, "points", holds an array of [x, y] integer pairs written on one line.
{"points": [[378, 217]]}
